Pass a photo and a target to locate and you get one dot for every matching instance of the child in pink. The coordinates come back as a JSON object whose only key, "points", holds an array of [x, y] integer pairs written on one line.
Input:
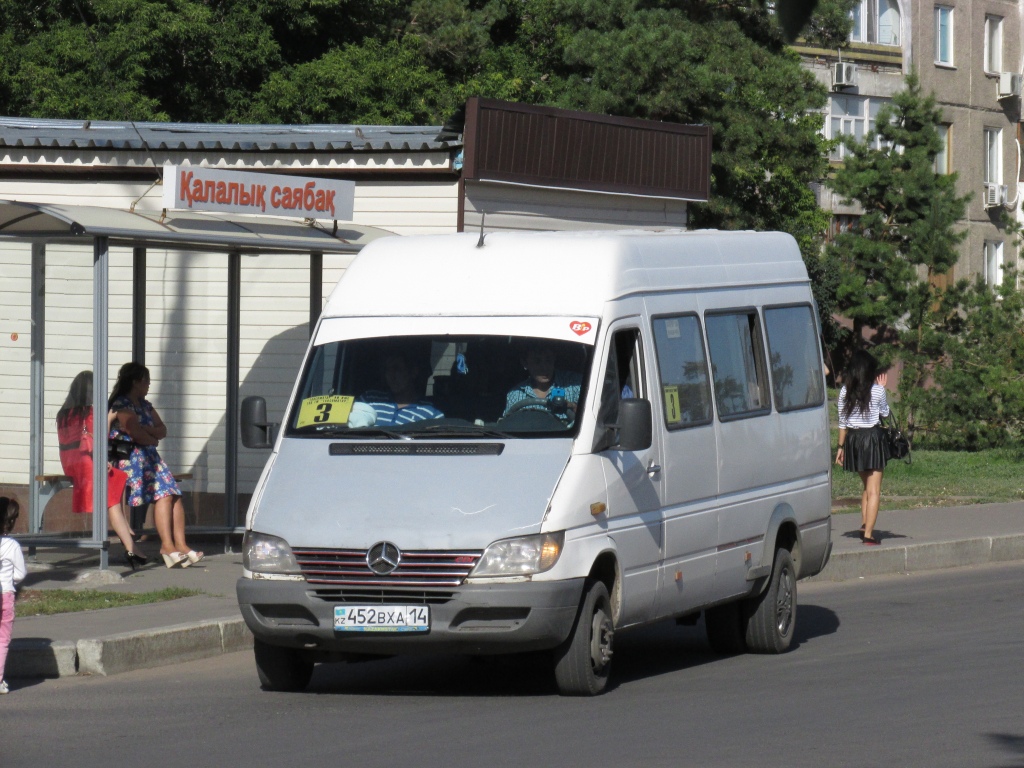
{"points": [[12, 570]]}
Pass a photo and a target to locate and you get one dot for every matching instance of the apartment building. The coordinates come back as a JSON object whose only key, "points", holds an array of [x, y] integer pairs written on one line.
{"points": [[966, 52]]}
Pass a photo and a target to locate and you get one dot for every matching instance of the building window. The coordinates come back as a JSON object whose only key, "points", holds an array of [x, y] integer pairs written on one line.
{"points": [[944, 35], [993, 263], [993, 44], [944, 159], [876, 21], [993, 156], [852, 116]]}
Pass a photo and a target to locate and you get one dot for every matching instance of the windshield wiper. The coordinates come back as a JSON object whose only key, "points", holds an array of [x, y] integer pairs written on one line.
{"points": [[462, 430], [341, 430]]}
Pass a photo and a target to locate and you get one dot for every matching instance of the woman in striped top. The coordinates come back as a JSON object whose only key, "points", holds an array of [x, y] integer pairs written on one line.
{"points": [[862, 445]]}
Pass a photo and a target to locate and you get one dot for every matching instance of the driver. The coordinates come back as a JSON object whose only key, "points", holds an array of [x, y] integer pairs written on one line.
{"points": [[559, 390], [403, 402]]}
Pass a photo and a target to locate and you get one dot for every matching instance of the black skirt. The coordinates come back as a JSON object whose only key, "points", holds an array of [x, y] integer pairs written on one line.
{"points": [[865, 449]]}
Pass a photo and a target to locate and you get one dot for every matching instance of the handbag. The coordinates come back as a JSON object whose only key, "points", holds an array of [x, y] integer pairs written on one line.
{"points": [[899, 445], [85, 444], [119, 450]]}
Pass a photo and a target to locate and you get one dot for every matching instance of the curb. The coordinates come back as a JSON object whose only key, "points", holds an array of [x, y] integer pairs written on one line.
{"points": [[884, 561], [37, 657]]}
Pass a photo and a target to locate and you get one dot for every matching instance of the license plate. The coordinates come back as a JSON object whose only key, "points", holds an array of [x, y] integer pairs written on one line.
{"points": [[381, 618]]}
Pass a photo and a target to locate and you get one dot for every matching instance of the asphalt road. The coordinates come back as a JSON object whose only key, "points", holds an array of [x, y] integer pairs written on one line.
{"points": [[918, 670]]}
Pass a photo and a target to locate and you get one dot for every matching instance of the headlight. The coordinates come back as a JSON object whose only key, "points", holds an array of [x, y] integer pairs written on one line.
{"points": [[521, 556], [267, 554]]}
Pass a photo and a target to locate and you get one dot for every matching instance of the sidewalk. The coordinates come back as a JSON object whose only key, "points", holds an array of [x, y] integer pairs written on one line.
{"points": [[114, 640]]}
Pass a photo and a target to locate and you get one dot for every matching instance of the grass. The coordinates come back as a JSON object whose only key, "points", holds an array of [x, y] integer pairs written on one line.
{"points": [[934, 478], [44, 602], [939, 478]]}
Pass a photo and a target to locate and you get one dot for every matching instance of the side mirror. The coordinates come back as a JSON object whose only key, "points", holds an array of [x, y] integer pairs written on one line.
{"points": [[257, 432], [635, 431]]}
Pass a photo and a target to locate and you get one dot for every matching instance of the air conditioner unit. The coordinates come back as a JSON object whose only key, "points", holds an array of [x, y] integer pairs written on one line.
{"points": [[1010, 84], [995, 195], [844, 74]]}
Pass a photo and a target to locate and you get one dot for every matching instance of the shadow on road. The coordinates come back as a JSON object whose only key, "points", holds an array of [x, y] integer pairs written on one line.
{"points": [[640, 653], [1012, 744]]}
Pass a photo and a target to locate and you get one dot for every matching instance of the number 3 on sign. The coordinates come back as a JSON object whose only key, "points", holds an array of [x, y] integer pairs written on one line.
{"points": [[324, 409]]}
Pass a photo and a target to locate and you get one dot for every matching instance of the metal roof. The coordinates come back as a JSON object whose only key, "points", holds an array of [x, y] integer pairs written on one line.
{"points": [[97, 134], [183, 230]]}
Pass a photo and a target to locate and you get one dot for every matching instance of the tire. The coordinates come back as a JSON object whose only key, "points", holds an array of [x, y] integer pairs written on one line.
{"points": [[282, 669], [724, 627], [771, 616], [583, 661]]}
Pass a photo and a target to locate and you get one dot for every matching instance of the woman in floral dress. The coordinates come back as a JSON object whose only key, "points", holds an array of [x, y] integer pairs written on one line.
{"points": [[149, 480]]}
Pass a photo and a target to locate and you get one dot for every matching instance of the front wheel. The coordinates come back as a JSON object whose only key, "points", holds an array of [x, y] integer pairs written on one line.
{"points": [[282, 669], [771, 616], [583, 661]]}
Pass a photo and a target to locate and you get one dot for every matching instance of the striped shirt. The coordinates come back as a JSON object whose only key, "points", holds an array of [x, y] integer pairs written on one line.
{"points": [[566, 381], [878, 406], [390, 415]]}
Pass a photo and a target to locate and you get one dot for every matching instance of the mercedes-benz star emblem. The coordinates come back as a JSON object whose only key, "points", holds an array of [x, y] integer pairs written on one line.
{"points": [[383, 558]]}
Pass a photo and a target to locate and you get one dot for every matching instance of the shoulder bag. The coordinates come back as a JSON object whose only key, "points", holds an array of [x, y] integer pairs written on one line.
{"points": [[119, 450], [899, 445]]}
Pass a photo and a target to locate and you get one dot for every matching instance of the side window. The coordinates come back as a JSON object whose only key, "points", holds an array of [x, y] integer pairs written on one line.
{"points": [[682, 371], [795, 358], [623, 376], [737, 364]]}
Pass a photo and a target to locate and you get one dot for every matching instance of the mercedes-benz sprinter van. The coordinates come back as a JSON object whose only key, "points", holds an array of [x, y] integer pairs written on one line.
{"points": [[532, 441]]}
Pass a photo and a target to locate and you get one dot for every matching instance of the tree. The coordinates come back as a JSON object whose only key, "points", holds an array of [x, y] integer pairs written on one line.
{"points": [[978, 400], [906, 238]]}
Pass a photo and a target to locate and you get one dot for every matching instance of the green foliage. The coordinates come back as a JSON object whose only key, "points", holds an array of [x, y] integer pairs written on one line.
{"points": [[961, 346], [372, 84], [906, 238], [979, 399]]}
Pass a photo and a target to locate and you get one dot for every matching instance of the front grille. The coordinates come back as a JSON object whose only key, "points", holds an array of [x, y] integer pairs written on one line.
{"points": [[417, 568], [369, 596]]}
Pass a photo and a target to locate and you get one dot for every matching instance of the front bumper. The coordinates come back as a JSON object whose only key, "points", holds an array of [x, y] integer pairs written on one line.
{"points": [[472, 618]]}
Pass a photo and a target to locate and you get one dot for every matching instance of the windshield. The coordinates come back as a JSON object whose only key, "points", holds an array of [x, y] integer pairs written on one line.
{"points": [[442, 386]]}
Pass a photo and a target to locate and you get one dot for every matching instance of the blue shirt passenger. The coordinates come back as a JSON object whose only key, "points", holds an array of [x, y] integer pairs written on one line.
{"points": [[401, 403]]}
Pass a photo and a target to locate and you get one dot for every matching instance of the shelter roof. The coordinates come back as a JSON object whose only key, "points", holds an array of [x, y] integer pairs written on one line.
{"points": [[123, 135], [79, 224]]}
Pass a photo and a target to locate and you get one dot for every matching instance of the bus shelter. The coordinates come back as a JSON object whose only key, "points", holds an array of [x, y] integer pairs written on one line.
{"points": [[232, 236]]}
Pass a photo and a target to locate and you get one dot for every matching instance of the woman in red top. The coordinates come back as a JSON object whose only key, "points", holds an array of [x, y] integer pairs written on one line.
{"points": [[75, 435]]}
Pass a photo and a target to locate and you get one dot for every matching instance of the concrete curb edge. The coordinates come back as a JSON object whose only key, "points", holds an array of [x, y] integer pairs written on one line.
{"points": [[882, 561], [36, 657]]}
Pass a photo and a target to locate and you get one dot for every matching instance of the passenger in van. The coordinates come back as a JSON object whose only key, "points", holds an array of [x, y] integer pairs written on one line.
{"points": [[559, 389], [403, 401]]}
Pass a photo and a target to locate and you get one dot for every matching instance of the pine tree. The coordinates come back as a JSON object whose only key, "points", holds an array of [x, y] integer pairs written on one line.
{"points": [[906, 238]]}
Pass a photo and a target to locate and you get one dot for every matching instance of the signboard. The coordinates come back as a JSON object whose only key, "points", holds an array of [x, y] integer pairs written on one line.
{"points": [[192, 188]]}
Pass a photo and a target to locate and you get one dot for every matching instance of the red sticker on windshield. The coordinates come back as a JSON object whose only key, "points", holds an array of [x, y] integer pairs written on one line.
{"points": [[579, 327]]}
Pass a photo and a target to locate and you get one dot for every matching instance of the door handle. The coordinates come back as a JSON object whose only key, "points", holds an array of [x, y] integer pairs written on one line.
{"points": [[653, 469]]}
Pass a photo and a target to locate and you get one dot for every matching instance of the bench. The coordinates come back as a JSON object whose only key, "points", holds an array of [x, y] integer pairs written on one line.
{"points": [[51, 485]]}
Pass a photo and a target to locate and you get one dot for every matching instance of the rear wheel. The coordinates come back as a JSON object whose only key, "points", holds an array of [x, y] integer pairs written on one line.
{"points": [[724, 628], [583, 662], [282, 669], [771, 616]]}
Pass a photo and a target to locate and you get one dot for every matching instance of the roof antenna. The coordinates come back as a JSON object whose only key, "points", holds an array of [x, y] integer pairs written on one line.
{"points": [[480, 242]]}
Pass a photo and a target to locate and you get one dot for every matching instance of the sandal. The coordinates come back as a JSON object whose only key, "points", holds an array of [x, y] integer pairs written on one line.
{"points": [[194, 557], [871, 541], [173, 559]]}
